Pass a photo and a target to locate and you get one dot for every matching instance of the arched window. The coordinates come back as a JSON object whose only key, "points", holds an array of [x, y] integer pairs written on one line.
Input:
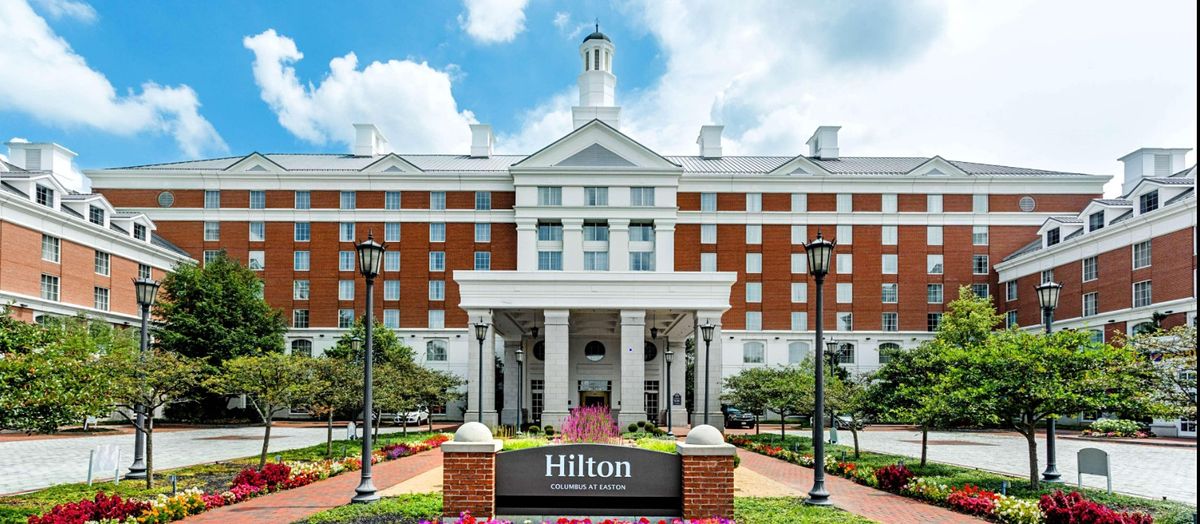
{"points": [[1143, 328], [885, 351], [435, 350], [797, 351], [539, 350], [594, 351], [302, 347], [651, 351], [753, 352], [845, 353]]}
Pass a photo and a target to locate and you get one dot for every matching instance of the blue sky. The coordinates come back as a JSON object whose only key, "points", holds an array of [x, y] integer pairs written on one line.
{"points": [[1067, 85]]}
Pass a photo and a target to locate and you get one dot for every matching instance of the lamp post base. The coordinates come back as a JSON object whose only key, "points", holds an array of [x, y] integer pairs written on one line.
{"points": [[136, 471], [818, 496], [365, 493], [1051, 476]]}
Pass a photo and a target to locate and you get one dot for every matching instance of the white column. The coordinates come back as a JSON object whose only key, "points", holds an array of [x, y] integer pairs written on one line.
{"points": [[556, 372], [572, 244], [618, 245], [633, 367], [679, 412], [474, 397], [710, 372], [664, 245], [526, 244], [508, 415]]}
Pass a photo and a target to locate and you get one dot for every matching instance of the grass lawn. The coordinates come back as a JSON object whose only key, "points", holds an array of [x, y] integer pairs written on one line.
{"points": [[1162, 510], [410, 509], [210, 477]]}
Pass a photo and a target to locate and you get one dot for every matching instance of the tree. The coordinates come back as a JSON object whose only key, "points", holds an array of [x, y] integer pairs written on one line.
{"points": [[1174, 354], [437, 389], [333, 390], [56, 374], [151, 380], [848, 397], [271, 382], [388, 346], [750, 390], [217, 312], [1021, 379]]}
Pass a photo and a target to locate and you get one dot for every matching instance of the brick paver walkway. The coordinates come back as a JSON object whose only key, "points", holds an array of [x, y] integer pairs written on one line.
{"points": [[860, 500], [296, 504]]}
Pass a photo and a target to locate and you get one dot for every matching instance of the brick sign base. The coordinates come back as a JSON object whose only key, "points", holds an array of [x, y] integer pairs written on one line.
{"points": [[707, 486]]}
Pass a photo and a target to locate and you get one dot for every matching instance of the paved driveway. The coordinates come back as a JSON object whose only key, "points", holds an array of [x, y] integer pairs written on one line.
{"points": [[1148, 471], [34, 464]]}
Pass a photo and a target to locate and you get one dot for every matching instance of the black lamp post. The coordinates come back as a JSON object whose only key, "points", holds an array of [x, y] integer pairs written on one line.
{"points": [[819, 251], [481, 330], [146, 290], [1048, 293], [370, 254], [668, 356], [520, 387], [706, 331]]}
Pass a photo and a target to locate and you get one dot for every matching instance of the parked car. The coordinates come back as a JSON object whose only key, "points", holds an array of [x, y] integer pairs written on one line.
{"points": [[736, 418], [413, 418]]}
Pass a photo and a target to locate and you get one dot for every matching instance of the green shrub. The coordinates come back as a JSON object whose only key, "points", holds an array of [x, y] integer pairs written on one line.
{"points": [[1116, 426], [534, 429], [633, 428], [549, 430]]}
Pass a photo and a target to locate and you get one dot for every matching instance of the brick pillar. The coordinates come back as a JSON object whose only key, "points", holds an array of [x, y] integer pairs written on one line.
{"points": [[469, 472], [707, 474]]}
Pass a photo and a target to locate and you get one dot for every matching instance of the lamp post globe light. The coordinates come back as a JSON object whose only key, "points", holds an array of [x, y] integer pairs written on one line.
{"points": [[145, 290], [1048, 293], [520, 388], [668, 356], [819, 252], [481, 330], [706, 332], [370, 254]]}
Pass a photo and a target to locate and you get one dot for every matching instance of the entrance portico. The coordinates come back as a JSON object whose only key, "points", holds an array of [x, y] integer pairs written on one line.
{"points": [[593, 343]]}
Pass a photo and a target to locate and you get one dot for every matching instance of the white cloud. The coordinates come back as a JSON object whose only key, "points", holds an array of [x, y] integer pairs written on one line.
{"points": [[72, 9], [493, 21], [562, 21], [46, 79], [410, 102]]}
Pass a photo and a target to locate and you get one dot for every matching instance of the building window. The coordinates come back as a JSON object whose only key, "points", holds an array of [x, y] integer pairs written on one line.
{"points": [[641, 196], [890, 264], [888, 203], [754, 321], [302, 348], [933, 235], [1097, 336], [708, 233], [549, 196], [346, 232], [888, 235], [299, 318], [345, 318], [1047, 275], [979, 203], [595, 196], [101, 263], [845, 293], [754, 262], [50, 287], [348, 200], [845, 234], [753, 352], [303, 200], [799, 234], [256, 260], [641, 261], [483, 201], [483, 232], [933, 321], [845, 322], [212, 231], [258, 231], [845, 203], [1010, 290], [391, 261], [302, 231], [933, 293], [1148, 202], [96, 215], [595, 232], [100, 298], [437, 319], [595, 260], [258, 199], [139, 232], [437, 200], [550, 260], [483, 261], [1142, 295], [641, 232], [886, 350], [753, 291], [980, 290], [300, 261], [1091, 269], [753, 234], [799, 292], [437, 290], [212, 199], [1010, 319], [550, 232], [753, 202], [799, 321], [210, 255], [345, 260], [144, 271], [933, 264], [45, 196], [1091, 304], [890, 322], [437, 261], [708, 262], [708, 202], [300, 289], [799, 263], [799, 202], [979, 235], [933, 203], [979, 265], [844, 263], [391, 232], [437, 231], [391, 290], [1141, 255], [845, 353], [1096, 221], [435, 350], [1053, 236], [890, 293], [345, 290]]}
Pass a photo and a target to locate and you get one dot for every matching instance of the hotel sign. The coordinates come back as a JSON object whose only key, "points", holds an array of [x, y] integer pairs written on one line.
{"points": [[588, 479]]}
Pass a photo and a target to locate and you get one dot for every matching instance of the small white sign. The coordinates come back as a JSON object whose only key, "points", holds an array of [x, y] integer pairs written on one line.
{"points": [[1093, 461]]}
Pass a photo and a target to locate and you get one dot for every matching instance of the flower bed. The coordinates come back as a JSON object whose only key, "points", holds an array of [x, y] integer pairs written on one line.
{"points": [[1116, 428], [467, 518], [248, 483], [1054, 508]]}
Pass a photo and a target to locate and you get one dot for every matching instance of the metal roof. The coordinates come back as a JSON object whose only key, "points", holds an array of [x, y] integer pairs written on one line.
{"points": [[1036, 245], [1113, 201], [165, 244], [1171, 181]]}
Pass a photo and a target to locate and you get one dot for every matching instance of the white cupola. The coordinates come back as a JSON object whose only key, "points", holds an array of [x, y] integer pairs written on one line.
{"points": [[597, 84]]}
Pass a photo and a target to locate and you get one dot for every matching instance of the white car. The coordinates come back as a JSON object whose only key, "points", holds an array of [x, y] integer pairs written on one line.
{"points": [[413, 418]]}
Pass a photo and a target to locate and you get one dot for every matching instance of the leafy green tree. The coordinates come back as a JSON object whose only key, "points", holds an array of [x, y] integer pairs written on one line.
{"points": [[437, 388], [1174, 354], [20, 337], [750, 390], [152, 380], [217, 312], [848, 398], [271, 382], [1021, 379], [333, 390], [388, 346]]}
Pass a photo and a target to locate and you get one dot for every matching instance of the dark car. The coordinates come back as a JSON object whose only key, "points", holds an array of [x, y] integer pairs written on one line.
{"points": [[736, 418]]}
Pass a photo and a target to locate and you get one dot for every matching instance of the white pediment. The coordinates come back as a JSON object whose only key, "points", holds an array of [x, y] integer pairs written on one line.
{"points": [[391, 163], [799, 166], [596, 145], [256, 162], [937, 166]]}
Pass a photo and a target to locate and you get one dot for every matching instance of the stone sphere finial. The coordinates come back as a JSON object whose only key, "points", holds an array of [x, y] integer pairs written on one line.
{"points": [[473, 432], [704, 435]]}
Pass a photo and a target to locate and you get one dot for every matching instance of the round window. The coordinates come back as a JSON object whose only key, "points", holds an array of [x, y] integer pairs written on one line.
{"points": [[539, 350], [1027, 204], [594, 351], [166, 199], [651, 351]]}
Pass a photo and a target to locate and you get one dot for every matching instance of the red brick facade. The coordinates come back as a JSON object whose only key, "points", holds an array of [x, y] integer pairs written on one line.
{"points": [[707, 486], [469, 484]]}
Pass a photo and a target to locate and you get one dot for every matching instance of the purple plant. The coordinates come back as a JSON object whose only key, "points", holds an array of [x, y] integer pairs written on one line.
{"points": [[590, 424]]}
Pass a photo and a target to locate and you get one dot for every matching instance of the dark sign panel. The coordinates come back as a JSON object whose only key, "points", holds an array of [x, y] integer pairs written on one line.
{"points": [[588, 479]]}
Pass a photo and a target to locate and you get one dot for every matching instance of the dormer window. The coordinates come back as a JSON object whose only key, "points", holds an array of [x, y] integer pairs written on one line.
{"points": [[1148, 202], [96, 215], [1096, 221], [45, 196], [1053, 236], [139, 232]]}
